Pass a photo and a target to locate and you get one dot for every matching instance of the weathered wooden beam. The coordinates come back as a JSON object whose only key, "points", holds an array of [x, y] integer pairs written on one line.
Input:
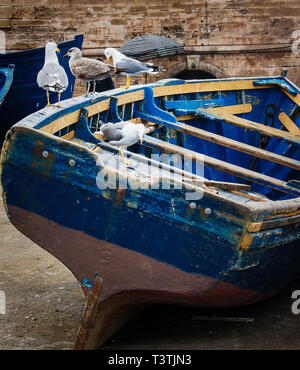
{"points": [[242, 147], [289, 124], [221, 165], [250, 125], [295, 99], [234, 109], [230, 143], [231, 109], [219, 184], [225, 85], [88, 319]]}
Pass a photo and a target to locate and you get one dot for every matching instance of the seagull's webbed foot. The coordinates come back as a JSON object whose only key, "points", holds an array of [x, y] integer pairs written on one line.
{"points": [[53, 105], [58, 103], [124, 160], [128, 79], [48, 100]]}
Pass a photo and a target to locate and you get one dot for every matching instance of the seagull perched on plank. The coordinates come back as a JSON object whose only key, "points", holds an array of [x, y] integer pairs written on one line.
{"points": [[52, 77], [88, 69], [129, 66], [123, 134]]}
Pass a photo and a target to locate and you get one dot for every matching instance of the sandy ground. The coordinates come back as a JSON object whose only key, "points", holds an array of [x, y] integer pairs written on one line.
{"points": [[44, 302], [45, 305]]}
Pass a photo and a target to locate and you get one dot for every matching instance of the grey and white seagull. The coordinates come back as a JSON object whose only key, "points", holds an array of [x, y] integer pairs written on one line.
{"points": [[129, 66], [123, 134], [88, 69], [52, 77]]}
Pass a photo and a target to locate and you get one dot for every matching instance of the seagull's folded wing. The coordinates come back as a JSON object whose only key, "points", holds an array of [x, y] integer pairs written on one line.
{"points": [[131, 66], [111, 133], [91, 69], [120, 125]]}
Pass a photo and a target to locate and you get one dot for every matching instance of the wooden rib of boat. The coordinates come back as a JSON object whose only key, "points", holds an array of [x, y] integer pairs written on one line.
{"points": [[6, 78], [228, 236], [25, 96]]}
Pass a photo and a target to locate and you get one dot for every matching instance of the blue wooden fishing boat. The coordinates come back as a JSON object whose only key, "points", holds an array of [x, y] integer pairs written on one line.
{"points": [[6, 78], [152, 231], [25, 96]]}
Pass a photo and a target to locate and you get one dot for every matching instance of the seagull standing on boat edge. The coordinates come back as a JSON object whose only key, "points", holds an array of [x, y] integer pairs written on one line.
{"points": [[88, 69], [123, 134], [129, 66], [52, 77]]}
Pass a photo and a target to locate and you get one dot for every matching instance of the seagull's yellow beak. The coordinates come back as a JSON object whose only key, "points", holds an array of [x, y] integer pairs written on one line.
{"points": [[57, 50], [108, 59], [141, 139]]}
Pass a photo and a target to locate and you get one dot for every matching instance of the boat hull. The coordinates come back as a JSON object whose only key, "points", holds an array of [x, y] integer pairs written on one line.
{"points": [[132, 238], [125, 271], [132, 279]]}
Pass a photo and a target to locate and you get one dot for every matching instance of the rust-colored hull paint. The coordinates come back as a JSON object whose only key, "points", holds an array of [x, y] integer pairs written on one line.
{"points": [[130, 279]]}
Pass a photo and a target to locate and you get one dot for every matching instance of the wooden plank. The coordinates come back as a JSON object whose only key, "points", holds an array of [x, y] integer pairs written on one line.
{"points": [[234, 109], [61, 123], [89, 316], [98, 107], [221, 165], [288, 123], [185, 88], [220, 184], [69, 135], [233, 144], [186, 117], [73, 117], [254, 126], [231, 109], [206, 87], [295, 99], [250, 196], [236, 145]]}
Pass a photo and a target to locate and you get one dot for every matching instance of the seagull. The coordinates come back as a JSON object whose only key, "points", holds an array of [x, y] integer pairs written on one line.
{"points": [[88, 69], [52, 77], [123, 134], [130, 67]]}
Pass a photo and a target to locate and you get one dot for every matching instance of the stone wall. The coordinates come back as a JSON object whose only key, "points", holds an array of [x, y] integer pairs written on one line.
{"points": [[230, 37]]}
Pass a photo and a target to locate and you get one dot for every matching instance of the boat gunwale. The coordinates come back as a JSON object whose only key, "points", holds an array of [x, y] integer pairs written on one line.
{"points": [[75, 104], [8, 73]]}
